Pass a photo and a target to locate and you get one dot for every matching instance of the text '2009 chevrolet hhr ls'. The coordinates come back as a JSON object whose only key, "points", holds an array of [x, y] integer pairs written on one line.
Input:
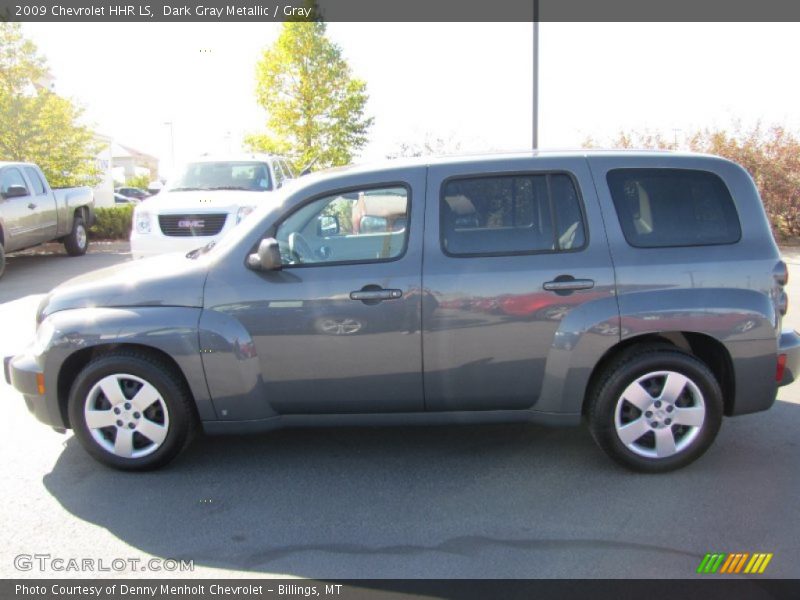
{"points": [[642, 292]]}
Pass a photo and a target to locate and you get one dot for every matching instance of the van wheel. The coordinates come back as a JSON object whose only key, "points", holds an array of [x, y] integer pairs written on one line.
{"points": [[656, 409], [130, 411], [2, 259], [77, 242]]}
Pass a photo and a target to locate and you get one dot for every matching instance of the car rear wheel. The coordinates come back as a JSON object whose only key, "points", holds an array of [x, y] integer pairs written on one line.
{"points": [[656, 409], [130, 411], [77, 242], [2, 259]]}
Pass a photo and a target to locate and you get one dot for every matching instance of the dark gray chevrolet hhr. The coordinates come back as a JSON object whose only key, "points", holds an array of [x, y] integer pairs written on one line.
{"points": [[641, 291]]}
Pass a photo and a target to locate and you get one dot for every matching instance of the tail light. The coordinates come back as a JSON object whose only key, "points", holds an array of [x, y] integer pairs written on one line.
{"points": [[781, 367], [781, 273]]}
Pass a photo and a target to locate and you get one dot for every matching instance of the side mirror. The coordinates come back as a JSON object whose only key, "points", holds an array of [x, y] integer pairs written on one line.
{"points": [[15, 191], [268, 256], [327, 225]]}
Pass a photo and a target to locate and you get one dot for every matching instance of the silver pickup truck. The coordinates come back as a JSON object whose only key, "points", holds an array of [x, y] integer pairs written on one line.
{"points": [[642, 293], [32, 213]]}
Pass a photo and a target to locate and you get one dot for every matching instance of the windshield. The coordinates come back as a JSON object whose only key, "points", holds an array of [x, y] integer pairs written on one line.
{"points": [[227, 175]]}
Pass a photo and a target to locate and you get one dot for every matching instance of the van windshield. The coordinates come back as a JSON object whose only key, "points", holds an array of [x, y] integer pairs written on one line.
{"points": [[227, 175]]}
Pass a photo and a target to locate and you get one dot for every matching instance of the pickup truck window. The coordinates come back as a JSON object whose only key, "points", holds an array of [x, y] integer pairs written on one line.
{"points": [[369, 225], [36, 181], [11, 176], [510, 214], [659, 208]]}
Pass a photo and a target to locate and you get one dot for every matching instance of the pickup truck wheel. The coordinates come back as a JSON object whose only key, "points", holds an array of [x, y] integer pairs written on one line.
{"points": [[656, 409], [77, 242], [131, 412], [2, 259]]}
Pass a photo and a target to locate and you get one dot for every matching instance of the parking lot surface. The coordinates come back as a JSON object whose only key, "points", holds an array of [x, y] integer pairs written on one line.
{"points": [[493, 501]]}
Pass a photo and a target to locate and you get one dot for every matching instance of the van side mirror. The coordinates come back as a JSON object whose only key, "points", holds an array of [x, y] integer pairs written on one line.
{"points": [[15, 191], [267, 258]]}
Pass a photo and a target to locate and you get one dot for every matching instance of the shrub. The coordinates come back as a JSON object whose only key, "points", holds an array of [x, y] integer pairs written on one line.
{"points": [[112, 223]]}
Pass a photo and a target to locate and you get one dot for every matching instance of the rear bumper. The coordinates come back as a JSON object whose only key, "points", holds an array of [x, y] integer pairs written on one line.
{"points": [[790, 346], [24, 374]]}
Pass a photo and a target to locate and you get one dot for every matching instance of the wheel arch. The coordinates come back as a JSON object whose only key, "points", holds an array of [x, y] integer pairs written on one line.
{"points": [[709, 350], [76, 361]]}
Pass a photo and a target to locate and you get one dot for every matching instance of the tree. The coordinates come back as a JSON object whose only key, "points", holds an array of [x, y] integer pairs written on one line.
{"points": [[315, 107], [771, 155], [37, 125], [138, 181], [430, 146]]}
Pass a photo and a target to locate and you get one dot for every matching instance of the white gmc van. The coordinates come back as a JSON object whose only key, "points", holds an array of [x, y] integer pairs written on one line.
{"points": [[208, 197]]}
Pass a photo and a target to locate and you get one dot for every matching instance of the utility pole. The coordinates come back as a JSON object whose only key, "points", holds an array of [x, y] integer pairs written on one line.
{"points": [[535, 132]]}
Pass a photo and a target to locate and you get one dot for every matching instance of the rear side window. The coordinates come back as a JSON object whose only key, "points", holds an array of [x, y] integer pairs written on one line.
{"points": [[511, 214], [659, 208]]}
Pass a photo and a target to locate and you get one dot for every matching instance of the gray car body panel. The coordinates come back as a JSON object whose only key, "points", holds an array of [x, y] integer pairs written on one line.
{"points": [[472, 339]]}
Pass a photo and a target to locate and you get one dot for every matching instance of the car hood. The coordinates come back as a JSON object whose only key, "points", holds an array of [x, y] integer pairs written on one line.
{"points": [[166, 280], [202, 201]]}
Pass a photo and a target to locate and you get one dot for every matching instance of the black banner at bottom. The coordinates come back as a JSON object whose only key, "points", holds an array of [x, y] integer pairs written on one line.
{"points": [[395, 589]]}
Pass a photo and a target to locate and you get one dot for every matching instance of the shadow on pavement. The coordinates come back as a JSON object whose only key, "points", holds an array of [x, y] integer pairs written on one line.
{"points": [[28, 274], [492, 501]]}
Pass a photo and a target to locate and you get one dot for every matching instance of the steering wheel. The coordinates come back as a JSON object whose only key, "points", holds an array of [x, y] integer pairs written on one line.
{"points": [[299, 247]]}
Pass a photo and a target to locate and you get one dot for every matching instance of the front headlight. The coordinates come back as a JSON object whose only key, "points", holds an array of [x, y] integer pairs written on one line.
{"points": [[44, 335], [242, 213], [141, 221]]}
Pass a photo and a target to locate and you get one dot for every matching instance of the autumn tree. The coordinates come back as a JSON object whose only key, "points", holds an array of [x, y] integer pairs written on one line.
{"points": [[430, 146], [315, 107], [37, 125], [770, 154]]}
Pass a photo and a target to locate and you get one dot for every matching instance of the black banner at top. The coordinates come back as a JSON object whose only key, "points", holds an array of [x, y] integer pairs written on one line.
{"points": [[399, 10]]}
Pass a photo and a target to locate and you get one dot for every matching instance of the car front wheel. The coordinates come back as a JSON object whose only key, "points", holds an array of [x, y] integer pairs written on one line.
{"points": [[130, 411], [656, 409]]}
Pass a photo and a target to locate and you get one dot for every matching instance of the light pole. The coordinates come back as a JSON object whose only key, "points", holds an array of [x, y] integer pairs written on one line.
{"points": [[171, 144], [535, 132]]}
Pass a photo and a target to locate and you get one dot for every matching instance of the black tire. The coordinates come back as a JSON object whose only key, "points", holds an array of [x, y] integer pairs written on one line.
{"points": [[2, 259], [77, 242], [180, 410], [639, 362]]}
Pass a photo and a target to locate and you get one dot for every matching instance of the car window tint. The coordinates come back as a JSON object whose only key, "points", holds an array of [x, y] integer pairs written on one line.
{"points": [[36, 181], [514, 214], [11, 176], [357, 226], [673, 207]]}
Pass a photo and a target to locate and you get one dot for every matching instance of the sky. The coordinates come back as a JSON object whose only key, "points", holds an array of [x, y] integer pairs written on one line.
{"points": [[468, 83]]}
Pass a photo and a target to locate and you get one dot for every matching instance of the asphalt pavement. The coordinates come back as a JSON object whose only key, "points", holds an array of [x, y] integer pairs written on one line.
{"points": [[492, 501]]}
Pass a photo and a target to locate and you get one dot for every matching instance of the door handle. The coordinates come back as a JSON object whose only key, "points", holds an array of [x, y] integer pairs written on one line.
{"points": [[568, 285], [31, 206], [370, 295]]}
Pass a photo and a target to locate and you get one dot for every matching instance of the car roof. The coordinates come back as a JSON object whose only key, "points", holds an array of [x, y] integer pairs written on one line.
{"points": [[486, 159]]}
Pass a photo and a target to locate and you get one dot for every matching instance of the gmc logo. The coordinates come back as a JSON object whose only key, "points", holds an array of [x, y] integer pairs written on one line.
{"points": [[191, 223]]}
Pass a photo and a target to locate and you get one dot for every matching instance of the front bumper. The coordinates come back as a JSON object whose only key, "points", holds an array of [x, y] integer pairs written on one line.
{"points": [[154, 244], [790, 346], [24, 374]]}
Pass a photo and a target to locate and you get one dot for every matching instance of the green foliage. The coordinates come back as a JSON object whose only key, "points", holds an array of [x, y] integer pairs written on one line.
{"points": [[771, 155], [112, 223], [37, 125], [315, 107], [138, 181]]}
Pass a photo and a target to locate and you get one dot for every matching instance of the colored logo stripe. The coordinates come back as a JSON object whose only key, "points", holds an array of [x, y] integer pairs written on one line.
{"points": [[720, 562]]}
